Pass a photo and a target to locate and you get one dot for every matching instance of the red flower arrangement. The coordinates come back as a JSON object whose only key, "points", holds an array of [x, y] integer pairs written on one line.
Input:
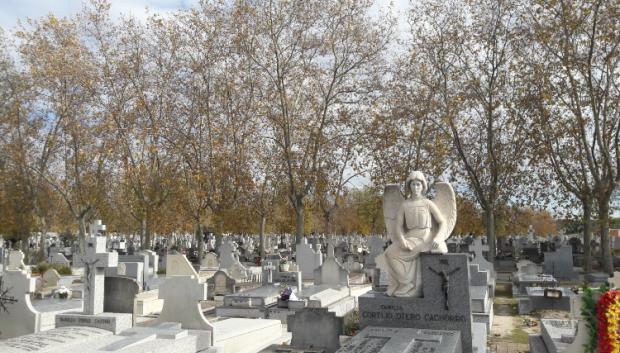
{"points": [[608, 315]]}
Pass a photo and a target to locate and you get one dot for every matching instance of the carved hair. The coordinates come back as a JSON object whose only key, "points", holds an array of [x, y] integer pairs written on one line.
{"points": [[416, 175]]}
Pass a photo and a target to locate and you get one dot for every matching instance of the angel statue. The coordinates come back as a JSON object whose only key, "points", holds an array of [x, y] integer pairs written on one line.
{"points": [[415, 225]]}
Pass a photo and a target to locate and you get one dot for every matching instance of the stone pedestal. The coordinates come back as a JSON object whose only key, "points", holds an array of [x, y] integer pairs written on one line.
{"points": [[433, 310]]}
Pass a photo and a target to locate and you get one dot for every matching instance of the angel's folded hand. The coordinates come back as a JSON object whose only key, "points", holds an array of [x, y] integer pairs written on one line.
{"points": [[405, 245]]}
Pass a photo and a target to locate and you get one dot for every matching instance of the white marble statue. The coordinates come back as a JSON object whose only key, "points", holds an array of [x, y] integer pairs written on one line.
{"points": [[415, 225]]}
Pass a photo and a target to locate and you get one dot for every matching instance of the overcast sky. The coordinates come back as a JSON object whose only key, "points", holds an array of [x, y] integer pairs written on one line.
{"points": [[13, 10]]}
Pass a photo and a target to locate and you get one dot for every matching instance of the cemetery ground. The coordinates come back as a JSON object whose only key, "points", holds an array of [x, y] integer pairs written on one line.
{"points": [[321, 295]]}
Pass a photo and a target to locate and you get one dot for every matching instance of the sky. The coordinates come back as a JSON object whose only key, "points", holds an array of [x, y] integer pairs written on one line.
{"points": [[13, 10]]}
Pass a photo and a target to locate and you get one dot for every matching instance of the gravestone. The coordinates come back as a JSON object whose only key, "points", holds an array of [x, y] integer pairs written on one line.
{"points": [[481, 299], [16, 260], [478, 249], [119, 294], [307, 259], [60, 259], [183, 306], [352, 266], [17, 315], [210, 261], [238, 271], [134, 270], [445, 302], [95, 261], [558, 299], [153, 261], [47, 283], [397, 339], [614, 282], [315, 328], [220, 284], [376, 245], [179, 265], [227, 254], [141, 275], [331, 271], [560, 263], [51, 278], [341, 250]]}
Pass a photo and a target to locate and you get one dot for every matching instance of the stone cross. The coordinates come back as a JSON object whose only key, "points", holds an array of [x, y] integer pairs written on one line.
{"points": [[270, 268], [95, 261], [96, 227], [477, 247]]}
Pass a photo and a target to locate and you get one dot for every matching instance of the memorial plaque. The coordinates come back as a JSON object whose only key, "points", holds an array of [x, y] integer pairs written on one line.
{"points": [[428, 311]]}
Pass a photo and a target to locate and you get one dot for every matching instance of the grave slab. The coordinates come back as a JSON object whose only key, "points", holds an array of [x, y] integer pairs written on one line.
{"points": [[396, 340]]}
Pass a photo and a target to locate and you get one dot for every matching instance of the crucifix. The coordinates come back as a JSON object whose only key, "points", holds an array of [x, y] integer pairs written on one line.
{"points": [[445, 281], [95, 261]]}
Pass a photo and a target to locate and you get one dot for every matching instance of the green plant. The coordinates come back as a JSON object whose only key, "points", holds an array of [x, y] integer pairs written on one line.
{"points": [[41, 267], [283, 262], [62, 270], [44, 266], [352, 323], [588, 313]]}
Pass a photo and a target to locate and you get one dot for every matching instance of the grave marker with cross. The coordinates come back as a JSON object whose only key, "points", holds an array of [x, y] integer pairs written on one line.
{"points": [[95, 261], [269, 268]]}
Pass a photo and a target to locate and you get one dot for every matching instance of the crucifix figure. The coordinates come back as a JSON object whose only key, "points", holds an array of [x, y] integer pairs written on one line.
{"points": [[445, 281]]}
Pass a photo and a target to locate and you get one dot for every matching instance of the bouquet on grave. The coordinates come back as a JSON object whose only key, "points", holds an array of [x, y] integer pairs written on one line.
{"points": [[608, 315], [287, 294]]}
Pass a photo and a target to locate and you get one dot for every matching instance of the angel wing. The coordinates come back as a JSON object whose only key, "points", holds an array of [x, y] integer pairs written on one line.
{"points": [[446, 203], [392, 200]]}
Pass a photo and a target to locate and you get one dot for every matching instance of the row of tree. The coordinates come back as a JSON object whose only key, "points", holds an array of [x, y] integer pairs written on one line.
{"points": [[221, 114]]}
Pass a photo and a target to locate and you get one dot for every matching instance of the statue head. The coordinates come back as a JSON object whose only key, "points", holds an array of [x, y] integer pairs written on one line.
{"points": [[416, 176]]}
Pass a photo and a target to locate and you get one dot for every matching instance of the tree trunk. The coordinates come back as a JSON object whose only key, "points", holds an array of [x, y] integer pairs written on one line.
{"points": [[327, 218], [82, 234], [606, 259], [490, 228], [587, 235], [146, 244], [198, 237], [299, 219], [143, 223], [219, 236], [42, 242], [261, 236]]}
